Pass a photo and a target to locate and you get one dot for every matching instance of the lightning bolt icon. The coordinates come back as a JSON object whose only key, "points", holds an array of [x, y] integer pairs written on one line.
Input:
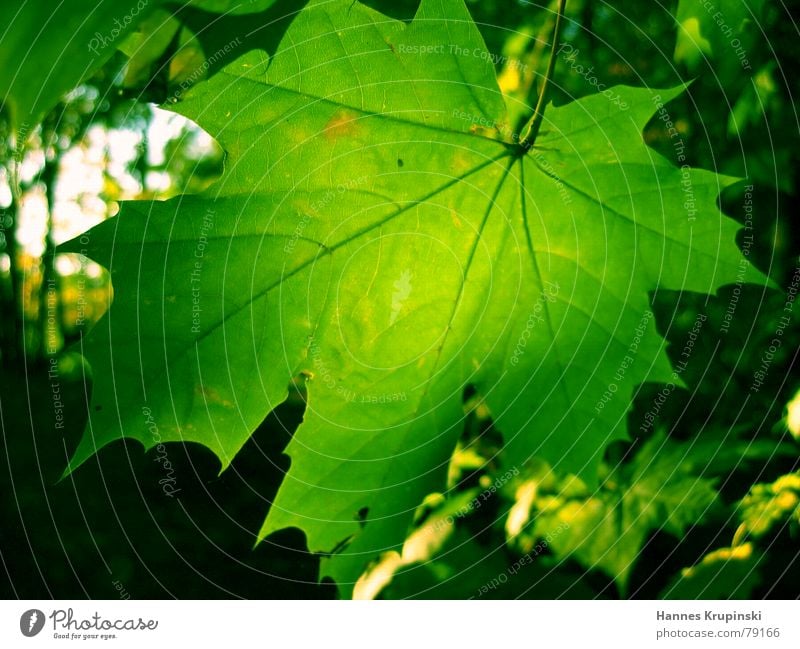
{"points": [[32, 620]]}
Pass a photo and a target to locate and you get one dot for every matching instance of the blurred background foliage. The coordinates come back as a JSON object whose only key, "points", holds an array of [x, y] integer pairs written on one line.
{"points": [[702, 502]]}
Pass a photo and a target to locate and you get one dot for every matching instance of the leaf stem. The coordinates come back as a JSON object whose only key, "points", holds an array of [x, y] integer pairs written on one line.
{"points": [[535, 122]]}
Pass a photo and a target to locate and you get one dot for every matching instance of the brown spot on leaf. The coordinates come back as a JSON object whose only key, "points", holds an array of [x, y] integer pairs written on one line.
{"points": [[342, 125]]}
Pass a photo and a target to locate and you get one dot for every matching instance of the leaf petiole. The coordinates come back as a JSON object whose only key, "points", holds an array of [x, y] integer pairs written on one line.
{"points": [[535, 122]]}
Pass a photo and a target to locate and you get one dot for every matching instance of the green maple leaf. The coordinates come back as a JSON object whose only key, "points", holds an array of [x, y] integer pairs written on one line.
{"points": [[366, 237]]}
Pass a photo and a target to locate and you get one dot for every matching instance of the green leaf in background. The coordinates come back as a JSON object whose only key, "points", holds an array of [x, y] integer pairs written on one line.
{"points": [[233, 7], [727, 573], [48, 48], [607, 527], [147, 44], [768, 506], [469, 569], [728, 47], [765, 512], [366, 238], [723, 31]]}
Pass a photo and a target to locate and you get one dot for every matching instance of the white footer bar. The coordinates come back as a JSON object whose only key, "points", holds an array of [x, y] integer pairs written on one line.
{"points": [[400, 625]]}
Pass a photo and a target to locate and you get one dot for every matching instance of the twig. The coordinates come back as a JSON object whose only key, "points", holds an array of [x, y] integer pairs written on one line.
{"points": [[535, 123]]}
